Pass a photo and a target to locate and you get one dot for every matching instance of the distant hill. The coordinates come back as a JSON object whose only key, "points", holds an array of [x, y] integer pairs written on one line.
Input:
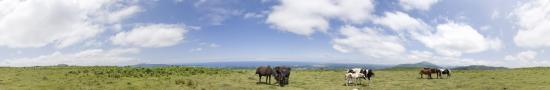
{"points": [[247, 64], [478, 67], [150, 65], [254, 64], [314, 65], [347, 66], [417, 65]]}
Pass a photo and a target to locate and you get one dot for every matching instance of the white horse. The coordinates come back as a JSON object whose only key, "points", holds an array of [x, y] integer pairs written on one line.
{"points": [[353, 76]]}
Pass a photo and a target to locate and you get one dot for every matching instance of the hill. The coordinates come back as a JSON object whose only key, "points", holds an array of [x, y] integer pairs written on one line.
{"points": [[478, 67], [417, 65], [254, 64]]}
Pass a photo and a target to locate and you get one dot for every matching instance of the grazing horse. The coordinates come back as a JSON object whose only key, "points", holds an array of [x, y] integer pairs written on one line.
{"points": [[368, 73], [437, 72], [264, 71], [429, 71], [353, 76], [282, 74], [426, 71], [446, 71]]}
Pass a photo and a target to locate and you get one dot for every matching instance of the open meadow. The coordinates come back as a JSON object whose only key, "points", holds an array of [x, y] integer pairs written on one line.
{"points": [[195, 78]]}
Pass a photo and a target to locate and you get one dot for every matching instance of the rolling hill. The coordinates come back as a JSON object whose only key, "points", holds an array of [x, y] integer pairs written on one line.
{"points": [[418, 65], [478, 67], [254, 64]]}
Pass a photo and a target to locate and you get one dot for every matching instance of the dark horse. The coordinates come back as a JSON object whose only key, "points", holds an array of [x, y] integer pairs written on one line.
{"points": [[264, 71], [429, 71], [367, 72], [446, 71], [281, 74]]}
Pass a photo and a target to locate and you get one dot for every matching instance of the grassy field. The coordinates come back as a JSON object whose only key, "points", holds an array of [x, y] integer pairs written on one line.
{"points": [[193, 78]]}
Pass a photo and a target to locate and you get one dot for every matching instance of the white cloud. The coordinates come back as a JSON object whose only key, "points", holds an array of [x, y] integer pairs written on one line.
{"points": [[253, 15], [196, 49], [204, 46], [458, 61], [178, 1], [122, 14], [399, 21], [218, 11], [453, 39], [525, 59], [213, 45], [522, 56], [217, 16], [304, 17], [155, 35], [93, 44], [37, 23], [417, 4], [199, 3], [534, 21], [495, 15], [420, 55], [90, 57], [265, 1], [368, 42]]}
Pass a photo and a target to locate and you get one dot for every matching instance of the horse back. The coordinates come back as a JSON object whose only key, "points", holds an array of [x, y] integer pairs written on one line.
{"points": [[264, 70]]}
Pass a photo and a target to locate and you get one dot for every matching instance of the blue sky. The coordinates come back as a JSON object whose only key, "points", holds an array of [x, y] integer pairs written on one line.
{"points": [[124, 32]]}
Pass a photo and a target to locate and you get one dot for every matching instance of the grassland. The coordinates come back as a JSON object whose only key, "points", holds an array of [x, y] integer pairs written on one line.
{"points": [[193, 78]]}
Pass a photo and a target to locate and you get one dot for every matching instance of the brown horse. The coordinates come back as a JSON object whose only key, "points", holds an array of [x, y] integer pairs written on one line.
{"points": [[428, 72], [264, 71]]}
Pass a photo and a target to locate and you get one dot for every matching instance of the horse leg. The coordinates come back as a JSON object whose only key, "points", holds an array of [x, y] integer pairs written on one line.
{"points": [[430, 76], [348, 81], [269, 79], [351, 81], [260, 80], [360, 82], [357, 82], [439, 75], [354, 81]]}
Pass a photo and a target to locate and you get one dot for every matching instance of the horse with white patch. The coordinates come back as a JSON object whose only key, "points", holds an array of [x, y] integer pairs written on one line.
{"points": [[445, 71], [368, 73], [353, 76]]}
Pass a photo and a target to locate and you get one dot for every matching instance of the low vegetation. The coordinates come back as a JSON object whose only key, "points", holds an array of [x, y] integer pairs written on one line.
{"points": [[197, 78]]}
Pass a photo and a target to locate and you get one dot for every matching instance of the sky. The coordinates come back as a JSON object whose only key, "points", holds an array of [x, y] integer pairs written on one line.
{"points": [[509, 33]]}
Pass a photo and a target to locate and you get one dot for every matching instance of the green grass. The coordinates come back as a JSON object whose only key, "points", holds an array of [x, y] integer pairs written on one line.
{"points": [[194, 78]]}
